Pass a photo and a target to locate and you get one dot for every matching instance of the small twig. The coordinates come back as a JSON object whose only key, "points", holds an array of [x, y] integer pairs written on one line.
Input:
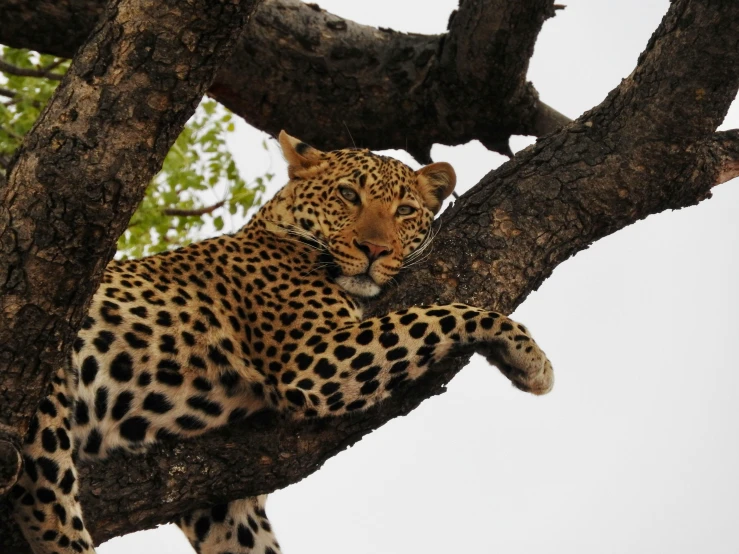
{"points": [[350, 133], [11, 133], [16, 97], [55, 64], [193, 212], [23, 72], [4, 162]]}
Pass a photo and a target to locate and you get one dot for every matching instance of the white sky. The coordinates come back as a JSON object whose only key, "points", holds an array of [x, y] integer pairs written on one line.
{"points": [[634, 451]]}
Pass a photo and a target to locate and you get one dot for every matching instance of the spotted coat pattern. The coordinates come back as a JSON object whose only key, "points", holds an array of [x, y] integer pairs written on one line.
{"points": [[268, 318]]}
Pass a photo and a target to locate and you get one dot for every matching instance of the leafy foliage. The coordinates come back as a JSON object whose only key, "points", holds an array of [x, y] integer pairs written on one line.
{"points": [[24, 97], [196, 168], [199, 183]]}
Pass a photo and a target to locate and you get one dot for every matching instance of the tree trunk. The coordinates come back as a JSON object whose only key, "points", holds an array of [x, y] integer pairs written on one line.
{"points": [[649, 146], [80, 174]]}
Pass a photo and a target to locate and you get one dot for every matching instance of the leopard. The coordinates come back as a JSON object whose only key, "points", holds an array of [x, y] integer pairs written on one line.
{"points": [[267, 318]]}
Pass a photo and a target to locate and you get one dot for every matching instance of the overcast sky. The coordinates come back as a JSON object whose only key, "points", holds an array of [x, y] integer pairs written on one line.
{"points": [[635, 450]]}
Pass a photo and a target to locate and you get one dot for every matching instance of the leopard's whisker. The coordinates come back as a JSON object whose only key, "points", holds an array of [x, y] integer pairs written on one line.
{"points": [[418, 261], [316, 267], [427, 240], [318, 244]]}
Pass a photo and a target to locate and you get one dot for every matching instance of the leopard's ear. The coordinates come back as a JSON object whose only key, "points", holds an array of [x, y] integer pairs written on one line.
{"points": [[435, 183], [299, 155]]}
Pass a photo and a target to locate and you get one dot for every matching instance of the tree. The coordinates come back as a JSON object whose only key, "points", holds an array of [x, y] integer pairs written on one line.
{"points": [[172, 211], [599, 166]]}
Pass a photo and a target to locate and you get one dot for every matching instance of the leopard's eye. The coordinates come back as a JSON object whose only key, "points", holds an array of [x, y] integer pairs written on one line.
{"points": [[405, 210], [349, 195]]}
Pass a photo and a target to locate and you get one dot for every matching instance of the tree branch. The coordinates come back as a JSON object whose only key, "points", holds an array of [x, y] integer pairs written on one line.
{"points": [[10, 133], [23, 72], [330, 76], [482, 70], [53, 65], [193, 212], [627, 158], [81, 172], [724, 147], [547, 120]]}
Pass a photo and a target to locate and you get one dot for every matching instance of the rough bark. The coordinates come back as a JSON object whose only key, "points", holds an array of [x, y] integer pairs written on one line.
{"points": [[329, 76], [81, 172], [11, 462], [724, 147], [649, 146]]}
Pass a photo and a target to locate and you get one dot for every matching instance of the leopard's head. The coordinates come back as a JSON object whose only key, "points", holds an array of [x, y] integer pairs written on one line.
{"points": [[370, 212]]}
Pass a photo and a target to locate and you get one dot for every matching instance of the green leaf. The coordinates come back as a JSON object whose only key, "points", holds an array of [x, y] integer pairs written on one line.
{"points": [[198, 161]]}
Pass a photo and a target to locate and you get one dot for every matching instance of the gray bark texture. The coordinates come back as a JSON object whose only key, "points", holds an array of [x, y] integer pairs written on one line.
{"points": [[319, 76], [649, 146], [80, 174]]}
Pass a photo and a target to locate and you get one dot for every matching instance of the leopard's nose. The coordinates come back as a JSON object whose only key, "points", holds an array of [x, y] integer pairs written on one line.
{"points": [[372, 250]]}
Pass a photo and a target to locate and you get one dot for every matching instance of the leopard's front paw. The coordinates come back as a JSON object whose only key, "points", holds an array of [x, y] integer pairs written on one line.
{"points": [[537, 379], [523, 362]]}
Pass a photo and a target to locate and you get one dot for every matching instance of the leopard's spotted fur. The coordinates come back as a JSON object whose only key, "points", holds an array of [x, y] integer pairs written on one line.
{"points": [[186, 341]]}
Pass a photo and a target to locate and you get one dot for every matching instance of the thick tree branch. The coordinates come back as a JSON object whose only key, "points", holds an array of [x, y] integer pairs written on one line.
{"points": [[483, 69], [320, 76], [643, 150], [83, 169]]}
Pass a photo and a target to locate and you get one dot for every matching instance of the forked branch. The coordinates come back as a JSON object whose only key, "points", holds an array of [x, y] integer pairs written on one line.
{"points": [[328, 74], [641, 151]]}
